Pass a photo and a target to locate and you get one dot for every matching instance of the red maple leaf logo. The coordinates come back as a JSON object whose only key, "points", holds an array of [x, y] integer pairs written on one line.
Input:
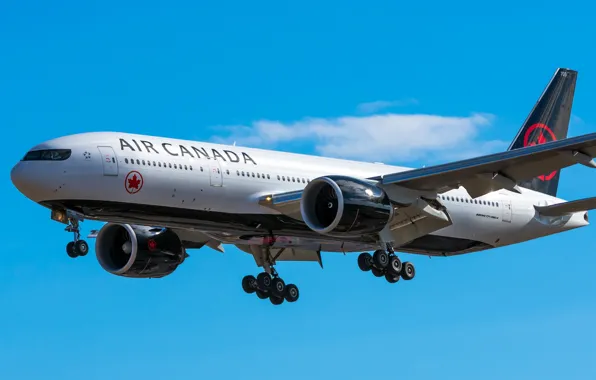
{"points": [[134, 182]]}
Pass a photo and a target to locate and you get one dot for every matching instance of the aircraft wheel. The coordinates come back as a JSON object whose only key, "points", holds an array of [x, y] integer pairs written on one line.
{"points": [[249, 284], [408, 271], [380, 259], [264, 281], [261, 294], [276, 300], [394, 266], [81, 247], [292, 293], [377, 272], [391, 278], [365, 261], [70, 250], [278, 286]]}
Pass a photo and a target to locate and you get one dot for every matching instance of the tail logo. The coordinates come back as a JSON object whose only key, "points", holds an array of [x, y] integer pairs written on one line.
{"points": [[539, 134]]}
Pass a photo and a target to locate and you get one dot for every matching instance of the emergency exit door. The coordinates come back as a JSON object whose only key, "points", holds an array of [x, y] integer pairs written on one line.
{"points": [[215, 174], [109, 161], [506, 210]]}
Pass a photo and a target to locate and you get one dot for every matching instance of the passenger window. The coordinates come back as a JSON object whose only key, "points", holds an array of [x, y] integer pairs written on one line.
{"points": [[138, 162], [268, 176], [190, 167], [258, 175]]}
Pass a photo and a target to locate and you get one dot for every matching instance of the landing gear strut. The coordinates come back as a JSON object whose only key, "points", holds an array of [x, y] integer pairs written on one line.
{"points": [[386, 263], [77, 247], [269, 284]]}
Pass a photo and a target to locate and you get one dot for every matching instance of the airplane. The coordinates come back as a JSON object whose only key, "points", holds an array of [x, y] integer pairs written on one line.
{"points": [[159, 197]]}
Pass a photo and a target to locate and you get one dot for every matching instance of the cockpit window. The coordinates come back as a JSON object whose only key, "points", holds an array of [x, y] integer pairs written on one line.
{"points": [[47, 155]]}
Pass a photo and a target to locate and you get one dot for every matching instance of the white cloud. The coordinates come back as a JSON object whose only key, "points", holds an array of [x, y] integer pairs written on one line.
{"points": [[391, 138], [378, 105]]}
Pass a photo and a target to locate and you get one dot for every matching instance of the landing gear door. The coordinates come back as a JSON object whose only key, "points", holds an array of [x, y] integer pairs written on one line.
{"points": [[215, 174], [506, 211], [109, 161]]}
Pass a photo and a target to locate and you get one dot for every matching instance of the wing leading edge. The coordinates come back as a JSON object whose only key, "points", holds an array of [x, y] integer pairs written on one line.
{"points": [[482, 175]]}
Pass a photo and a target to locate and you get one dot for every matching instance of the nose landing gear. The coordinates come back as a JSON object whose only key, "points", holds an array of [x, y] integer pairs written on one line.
{"points": [[77, 247]]}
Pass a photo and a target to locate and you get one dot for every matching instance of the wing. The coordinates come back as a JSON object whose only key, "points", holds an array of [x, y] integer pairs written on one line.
{"points": [[482, 175], [567, 208]]}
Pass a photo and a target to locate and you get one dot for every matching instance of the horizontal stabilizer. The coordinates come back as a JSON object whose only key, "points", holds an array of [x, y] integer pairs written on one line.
{"points": [[567, 208]]}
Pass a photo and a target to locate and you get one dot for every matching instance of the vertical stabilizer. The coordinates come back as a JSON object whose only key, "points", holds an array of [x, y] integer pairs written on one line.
{"points": [[548, 121]]}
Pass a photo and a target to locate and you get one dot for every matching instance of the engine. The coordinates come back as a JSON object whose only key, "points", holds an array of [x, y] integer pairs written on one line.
{"points": [[345, 207], [138, 251]]}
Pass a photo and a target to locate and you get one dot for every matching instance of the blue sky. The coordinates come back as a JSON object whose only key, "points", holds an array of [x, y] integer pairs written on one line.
{"points": [[275, 74]]}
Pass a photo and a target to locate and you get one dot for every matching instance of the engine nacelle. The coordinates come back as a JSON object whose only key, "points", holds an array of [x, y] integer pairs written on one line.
{"points": [[344, 206], [138, 251]]}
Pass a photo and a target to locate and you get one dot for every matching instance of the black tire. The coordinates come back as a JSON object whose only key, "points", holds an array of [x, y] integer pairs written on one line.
{"points": [[292, 293], [261, 294], [249, 284], [365, 261], [82, 247], [264, 281], [377, 272], [70, 250], [278, 287], [391, 278], [394, 267], [276, 300], [408, 271], [380, 259]]}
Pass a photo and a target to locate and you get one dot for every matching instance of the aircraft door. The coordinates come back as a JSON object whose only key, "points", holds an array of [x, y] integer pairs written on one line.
{"points": [[215, 174], [109, 161], [506, 210]]}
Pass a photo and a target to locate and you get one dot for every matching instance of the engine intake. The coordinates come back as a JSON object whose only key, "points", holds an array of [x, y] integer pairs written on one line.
{"points": [[344, 206], [138, 251]]}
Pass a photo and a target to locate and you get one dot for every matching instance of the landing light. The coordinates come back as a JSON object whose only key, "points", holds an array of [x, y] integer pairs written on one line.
{"points": [[59, 216]]}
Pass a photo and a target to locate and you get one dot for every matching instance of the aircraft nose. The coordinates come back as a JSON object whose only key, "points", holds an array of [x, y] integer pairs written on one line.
{"points": [[26, 181]]}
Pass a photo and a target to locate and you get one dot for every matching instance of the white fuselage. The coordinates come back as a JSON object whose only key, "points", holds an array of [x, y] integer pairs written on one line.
{"points": [[215, 189]]}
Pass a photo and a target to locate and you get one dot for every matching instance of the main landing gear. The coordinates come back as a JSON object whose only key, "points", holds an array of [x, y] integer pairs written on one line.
{"points": [[386, 263], [77, 247], [270, 286]]}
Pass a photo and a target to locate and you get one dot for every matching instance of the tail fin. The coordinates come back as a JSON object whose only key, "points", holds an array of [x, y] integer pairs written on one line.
{"points": [[548, 121]]}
